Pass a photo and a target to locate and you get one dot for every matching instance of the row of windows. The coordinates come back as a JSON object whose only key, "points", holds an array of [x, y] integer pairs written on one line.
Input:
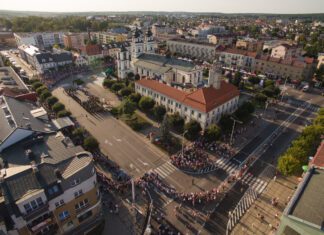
{"points": [[33, 205]]}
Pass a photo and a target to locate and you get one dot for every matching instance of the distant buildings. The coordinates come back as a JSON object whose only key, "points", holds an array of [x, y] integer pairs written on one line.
{"points": [[42, 40], [91, 52], [286, 51], [44, 61], [74, 40], [186, 48], [239, 59], [222, 40], [159, 30], [7, 39], [249, 44], [108, 37], [112, 49], [206, 105]]}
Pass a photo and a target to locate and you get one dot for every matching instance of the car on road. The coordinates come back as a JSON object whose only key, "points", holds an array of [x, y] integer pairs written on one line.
{"points": [[305, 88]]}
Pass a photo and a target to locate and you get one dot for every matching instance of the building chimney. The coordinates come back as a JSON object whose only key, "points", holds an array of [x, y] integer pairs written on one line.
{"points": [[214, 79]]}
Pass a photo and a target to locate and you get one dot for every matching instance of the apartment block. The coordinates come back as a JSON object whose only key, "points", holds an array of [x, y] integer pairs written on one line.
{"points": [[41, 40]]}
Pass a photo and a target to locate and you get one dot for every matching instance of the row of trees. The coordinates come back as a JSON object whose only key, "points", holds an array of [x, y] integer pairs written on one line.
{"points": [[291, 162], [48, 99]]}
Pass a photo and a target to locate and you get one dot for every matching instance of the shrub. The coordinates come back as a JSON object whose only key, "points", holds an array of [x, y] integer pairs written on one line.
{"points": [[51, 100], [57, 107], [63, 113], [260, 98], [226, 123], [146, 103], [137, 77], [78, 132], [192, 129], [90, 143]]}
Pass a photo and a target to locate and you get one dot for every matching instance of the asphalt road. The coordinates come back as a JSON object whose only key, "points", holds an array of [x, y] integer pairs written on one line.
{"points": [[218, 220]]}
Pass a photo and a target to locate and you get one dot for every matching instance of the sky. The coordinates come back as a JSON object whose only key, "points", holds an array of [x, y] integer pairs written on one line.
{"points": [[224, 6]]}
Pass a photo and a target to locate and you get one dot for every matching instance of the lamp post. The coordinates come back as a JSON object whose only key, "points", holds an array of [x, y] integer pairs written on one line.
{"points": [[183, 134], [234, 122], [284, 89]]}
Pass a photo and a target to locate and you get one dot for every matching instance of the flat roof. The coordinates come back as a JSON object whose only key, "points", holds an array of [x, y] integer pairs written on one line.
{"points": [[308, 202], [10, 79]]}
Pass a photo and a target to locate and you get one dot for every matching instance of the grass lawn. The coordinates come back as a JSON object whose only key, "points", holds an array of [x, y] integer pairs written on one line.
{"points": [[172, 147], [135, 122]]}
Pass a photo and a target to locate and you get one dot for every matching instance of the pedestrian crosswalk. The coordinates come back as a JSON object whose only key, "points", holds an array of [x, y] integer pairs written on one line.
{"points": [[226, 165], [165, 169], [255, 183]]}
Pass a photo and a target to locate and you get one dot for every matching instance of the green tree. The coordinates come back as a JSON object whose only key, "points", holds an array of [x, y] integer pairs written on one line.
{"points": [[289, 165], [117, 86], [45, 94], [165, 129], [128, 107], [63, 113], [57, 107], [78, 132], [108, 83], [226, 123], [137, 77], [176, 122], [260, 98], [146, 103], [159, 112], [126, 91], [90, 143], [135, 97], [40, 89], [36, 85], [212, 132], [192, 129], [51, 100]]}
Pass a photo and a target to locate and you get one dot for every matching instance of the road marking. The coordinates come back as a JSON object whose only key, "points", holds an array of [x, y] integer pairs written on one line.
{"points": [[118, 140], [144, 163]]}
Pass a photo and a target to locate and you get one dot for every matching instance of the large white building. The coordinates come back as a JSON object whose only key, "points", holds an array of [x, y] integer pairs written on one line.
{"points": [[142, 60], [205, 105], [41, 40]]}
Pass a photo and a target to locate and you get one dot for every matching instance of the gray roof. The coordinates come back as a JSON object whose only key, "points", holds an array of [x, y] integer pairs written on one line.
{"points": [[308, 203], [168, 62], [68, 160], [47, 57], [6, 129], [21, 113]]}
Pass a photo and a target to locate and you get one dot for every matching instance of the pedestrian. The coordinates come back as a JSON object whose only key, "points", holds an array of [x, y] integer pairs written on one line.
{"points": [[274, 178]]}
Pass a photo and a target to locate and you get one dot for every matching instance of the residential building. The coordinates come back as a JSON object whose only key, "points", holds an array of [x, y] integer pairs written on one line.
{"points": [[296, 69], [108, 37], [19, 119], [249, 44], [92, 52], [112, 49], [80, 60], [197, 49], [43, 60], [239, 59], [205, 105], [42, 40], [160, 30], [286, 51], [10, 80], [74, 40], [204, 29], [304, 213], [48, 185], [221, 40], [7, 39]]}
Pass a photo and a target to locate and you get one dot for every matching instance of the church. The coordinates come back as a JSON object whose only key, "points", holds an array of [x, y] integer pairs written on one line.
{"points": [[142, 60]]}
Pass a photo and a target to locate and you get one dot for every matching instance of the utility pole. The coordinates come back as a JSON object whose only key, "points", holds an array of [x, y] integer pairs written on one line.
{"points": [[284, 90], [234, 122]]}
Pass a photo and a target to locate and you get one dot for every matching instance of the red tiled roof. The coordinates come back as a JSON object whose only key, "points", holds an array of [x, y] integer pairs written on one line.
{"points": [[203, 99], [318, 159]]}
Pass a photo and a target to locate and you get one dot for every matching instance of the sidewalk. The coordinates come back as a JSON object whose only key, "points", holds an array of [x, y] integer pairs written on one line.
{"points": [[282, 189]]}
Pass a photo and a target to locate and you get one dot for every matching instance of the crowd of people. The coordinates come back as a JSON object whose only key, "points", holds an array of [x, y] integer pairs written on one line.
{"points": [[221, 149], [192, 159], [92, 104], [152, 179]]}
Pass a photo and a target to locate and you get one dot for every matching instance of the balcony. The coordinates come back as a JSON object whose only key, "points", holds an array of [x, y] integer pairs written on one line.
{"points": [[81, 209], [36, 212]]}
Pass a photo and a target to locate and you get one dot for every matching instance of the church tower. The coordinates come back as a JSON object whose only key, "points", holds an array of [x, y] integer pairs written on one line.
{"points": [[123, 63], [149, 41], [215, 73], [137, 46]]}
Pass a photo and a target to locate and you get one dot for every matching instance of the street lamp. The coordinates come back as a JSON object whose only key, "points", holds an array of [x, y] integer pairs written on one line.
{"points": [[234, 122], [284, 89], [183, 134]]}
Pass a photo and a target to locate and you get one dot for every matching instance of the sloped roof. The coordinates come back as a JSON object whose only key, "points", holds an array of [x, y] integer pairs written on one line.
{"points": [[203, 99], [318, 159]]}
